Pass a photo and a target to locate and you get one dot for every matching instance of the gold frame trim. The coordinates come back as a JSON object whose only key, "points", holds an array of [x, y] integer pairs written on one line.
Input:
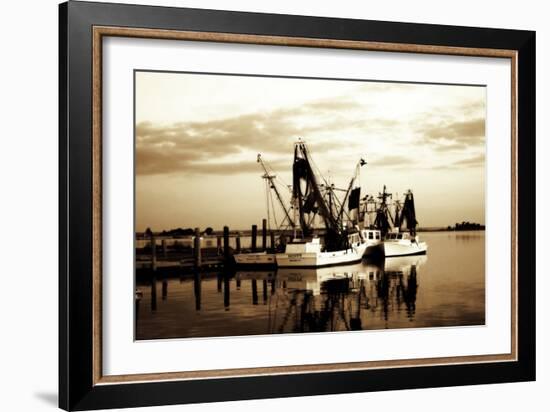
{"points": [[101, 31]]}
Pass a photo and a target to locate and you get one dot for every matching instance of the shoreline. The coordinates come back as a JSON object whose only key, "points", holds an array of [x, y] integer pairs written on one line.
{"points": [[248, 232]]}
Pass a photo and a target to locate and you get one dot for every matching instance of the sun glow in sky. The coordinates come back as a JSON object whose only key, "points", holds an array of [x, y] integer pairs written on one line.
{"points": [[198, 136]]}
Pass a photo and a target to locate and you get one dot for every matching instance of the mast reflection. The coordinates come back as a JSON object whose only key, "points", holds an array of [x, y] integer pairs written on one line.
{"points": [[367, 295], [337, 298]]}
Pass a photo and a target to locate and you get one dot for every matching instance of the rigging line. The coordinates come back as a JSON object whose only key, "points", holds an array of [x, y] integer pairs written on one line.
{"points": [[274, 213], [267, 192], [311, 219], [285, 218], [282, 182], [318, 171], [337, 201], [279, 180], [271, 177], [312, 161]]}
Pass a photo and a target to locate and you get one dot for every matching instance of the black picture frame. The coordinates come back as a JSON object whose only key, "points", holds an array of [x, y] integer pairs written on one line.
{"points": [[77, 390]]}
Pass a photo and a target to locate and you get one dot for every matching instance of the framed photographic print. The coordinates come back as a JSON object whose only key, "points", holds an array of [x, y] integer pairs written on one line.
{"points": [[257, 205]]}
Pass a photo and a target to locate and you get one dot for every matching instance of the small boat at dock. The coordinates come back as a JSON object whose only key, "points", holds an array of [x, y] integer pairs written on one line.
{"points": [[255, 258], [403, 244]]}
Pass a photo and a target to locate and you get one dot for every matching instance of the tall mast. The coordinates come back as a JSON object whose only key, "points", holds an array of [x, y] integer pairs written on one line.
{"points": [[408, 213], [354, 198], [383, 217], [270, 178], [309, 199], [303, 173]]}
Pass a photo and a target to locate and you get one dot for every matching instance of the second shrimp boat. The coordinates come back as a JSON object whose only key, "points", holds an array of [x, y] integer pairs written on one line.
{"points": [[341, 243], [398, 242]]}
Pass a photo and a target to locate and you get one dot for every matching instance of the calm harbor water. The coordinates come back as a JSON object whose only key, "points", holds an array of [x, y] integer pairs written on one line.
{"points": [[444, 288]]}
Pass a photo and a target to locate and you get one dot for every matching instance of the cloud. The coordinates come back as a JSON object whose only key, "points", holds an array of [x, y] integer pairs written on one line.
{"points": [[471, 130], [448, 135], [392, 161], [448, 147], [473, 108], [330, 105], [231, 168], [474, 161], [375, 86], [228, 145], [193, 147]]}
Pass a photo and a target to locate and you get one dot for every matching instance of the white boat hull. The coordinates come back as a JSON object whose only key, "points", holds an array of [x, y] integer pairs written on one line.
{"points": [[404, 248], [318, 259], [261, 258]]}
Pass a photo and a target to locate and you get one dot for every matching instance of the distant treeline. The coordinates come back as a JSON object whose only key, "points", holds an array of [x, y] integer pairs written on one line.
{"points": [[178, 232], [181, 232], [466, 226]]}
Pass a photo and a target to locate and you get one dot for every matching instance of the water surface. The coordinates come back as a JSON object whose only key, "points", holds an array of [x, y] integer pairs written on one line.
{"points": [[446, 287]]}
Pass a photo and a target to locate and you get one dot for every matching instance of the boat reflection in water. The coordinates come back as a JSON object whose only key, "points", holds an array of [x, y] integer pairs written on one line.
{"points": [[367, 295], [341, 297]]}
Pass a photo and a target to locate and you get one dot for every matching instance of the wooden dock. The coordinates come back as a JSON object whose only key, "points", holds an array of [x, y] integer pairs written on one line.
{"points": [[198, 252]]}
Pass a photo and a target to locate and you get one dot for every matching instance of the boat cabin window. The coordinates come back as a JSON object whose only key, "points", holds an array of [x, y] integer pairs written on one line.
{"points": [[400, 236], [377, 235], [370, 235]]}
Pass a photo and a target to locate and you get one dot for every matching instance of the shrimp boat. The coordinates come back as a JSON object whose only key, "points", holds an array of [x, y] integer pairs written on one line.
{"points": [[313, 254], [343, 242], [399, 242]]}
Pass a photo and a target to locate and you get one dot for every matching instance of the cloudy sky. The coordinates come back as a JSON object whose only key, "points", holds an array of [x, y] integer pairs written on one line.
{"points": [[198, 136]]}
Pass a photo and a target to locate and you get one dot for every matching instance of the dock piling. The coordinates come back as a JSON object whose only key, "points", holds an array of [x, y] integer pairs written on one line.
{"points": [[226, 291], [264, 234], [164, 248], [153, 253], [238, 242], [197, 289], [197, 248], [254, 292], [164, 289], [226, 243], [153, 293], [254, 236]]}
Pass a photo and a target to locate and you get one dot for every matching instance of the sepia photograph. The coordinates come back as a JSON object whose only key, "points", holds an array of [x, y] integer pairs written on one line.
{"points": [[270, 205]]}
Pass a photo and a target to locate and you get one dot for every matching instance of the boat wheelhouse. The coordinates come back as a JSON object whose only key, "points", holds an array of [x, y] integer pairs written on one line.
{"points": [[373, 239]]}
